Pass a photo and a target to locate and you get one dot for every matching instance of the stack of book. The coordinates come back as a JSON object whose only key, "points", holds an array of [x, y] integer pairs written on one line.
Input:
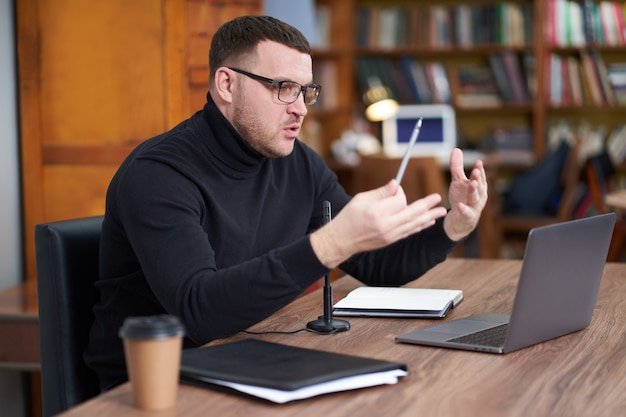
{"points": [[516, 138], [576, 81], [576, 23], [509, 76], [505, 23], [474, 86], [409, 80], [427, 81]]}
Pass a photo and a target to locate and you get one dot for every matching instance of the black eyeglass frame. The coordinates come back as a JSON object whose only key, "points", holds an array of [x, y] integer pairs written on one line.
{"points": [[279, 84]]}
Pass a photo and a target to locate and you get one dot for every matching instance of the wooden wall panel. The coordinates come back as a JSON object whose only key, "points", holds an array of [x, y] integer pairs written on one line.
{"points": [[28, 46], [93, 85], [96, 79], [101, 70], [77, 188]]}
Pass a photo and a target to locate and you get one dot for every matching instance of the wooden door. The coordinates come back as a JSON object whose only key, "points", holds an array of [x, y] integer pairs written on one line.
{"points": [[97, 78]]}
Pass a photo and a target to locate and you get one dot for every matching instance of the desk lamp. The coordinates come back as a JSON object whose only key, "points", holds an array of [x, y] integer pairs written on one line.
{"points": [[379, 101]]}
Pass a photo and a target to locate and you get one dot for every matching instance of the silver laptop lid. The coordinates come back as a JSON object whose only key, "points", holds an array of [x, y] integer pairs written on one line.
{"points": [[559, 281]]}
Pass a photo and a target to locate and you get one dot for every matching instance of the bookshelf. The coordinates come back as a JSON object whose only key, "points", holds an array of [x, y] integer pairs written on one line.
{"points": [[333, 69], [471, 38], [585, 64]]}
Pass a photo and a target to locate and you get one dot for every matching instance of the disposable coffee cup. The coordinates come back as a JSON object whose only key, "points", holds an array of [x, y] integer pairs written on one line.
{"points": [[152, 348]]}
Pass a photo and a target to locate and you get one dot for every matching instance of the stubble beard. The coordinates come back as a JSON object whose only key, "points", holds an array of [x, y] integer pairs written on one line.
{"points": [[253, 131]]}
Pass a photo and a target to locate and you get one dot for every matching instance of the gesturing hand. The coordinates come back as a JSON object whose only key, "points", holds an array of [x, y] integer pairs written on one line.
{"points": [[467, 197], [372, 220]]}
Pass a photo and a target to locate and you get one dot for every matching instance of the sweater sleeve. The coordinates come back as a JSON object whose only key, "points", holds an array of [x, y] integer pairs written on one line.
{"points": [[403, 261], [399, 263], [163, 221]]}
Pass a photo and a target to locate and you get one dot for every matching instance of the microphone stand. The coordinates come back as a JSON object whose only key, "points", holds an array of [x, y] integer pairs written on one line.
{"points": [[326, 323]]}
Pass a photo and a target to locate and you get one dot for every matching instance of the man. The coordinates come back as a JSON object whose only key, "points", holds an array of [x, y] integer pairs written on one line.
{"points": [[219, 221]]}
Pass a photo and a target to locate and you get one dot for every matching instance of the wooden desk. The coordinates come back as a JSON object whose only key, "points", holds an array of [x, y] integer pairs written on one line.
{"points": [[581, 374], [19, 328], [19, 336]]}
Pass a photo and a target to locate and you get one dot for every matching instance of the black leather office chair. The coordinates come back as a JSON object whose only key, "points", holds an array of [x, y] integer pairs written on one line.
{"points": [[67, 267]]}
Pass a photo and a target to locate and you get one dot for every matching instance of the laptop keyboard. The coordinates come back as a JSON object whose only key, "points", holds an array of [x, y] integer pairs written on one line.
{"points": [[490, 337]]}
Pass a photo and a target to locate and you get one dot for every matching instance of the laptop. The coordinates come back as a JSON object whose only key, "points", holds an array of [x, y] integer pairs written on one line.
{"points": [[556, 292]]}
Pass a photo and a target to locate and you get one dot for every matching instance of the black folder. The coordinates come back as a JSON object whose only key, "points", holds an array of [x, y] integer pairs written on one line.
{"points": [[275, 366]]}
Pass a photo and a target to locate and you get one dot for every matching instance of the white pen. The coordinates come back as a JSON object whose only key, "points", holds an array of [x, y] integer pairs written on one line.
{"points": [[407, 155]]}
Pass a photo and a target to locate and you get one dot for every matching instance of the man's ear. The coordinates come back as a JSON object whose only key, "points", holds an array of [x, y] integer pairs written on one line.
{"points": [[223, 83]]}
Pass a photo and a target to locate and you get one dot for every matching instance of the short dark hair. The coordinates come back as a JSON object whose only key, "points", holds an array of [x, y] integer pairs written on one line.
{"points": [[239, 38]]}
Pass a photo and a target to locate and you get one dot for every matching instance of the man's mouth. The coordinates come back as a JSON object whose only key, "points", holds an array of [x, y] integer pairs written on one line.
{"points": [[295, 128]]}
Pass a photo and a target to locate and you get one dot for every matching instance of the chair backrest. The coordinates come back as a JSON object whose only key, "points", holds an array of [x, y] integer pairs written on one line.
{"points": [[67, 268], [598, 171], [570, 180]]}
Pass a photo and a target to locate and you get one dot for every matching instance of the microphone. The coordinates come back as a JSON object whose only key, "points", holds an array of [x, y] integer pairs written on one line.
{"points": [[326, 323]]}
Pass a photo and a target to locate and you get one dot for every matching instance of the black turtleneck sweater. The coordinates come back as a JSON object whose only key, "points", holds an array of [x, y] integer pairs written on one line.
{"points": [[201, 226]]}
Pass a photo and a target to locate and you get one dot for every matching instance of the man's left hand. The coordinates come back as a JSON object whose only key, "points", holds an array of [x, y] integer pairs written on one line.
{"points": [[467, 197]]}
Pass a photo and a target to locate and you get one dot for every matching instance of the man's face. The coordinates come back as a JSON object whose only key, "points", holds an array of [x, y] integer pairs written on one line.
{"points": [[267, 124]]}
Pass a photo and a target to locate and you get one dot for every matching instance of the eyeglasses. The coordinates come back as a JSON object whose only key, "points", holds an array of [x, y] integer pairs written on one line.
{"points": [[288, 91]]}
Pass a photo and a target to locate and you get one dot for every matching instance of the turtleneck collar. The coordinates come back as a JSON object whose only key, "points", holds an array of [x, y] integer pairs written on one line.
{"points": [[226, 146]]}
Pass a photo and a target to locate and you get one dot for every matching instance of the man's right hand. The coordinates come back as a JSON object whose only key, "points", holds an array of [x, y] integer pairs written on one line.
{"points": [[372, 220]]}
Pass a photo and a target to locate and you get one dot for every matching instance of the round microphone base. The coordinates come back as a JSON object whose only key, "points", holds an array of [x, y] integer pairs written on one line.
{"points": [[323, 326]]}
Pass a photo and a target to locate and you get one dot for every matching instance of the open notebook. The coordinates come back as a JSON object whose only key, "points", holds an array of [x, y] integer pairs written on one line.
{"points": [[556, 293]]}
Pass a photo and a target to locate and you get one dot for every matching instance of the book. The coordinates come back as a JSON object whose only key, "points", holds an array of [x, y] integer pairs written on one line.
{"points": [[281, 373], [556, 82], [609, 26], [363, 23], [420, 78], [591, 78], [406, 66], [438, 80], [575, 81], [463, 25], [402, 81], [576, 33], [514, 74], [566, 85], [619, 22], [528, 63], [616, 75], [600, 67], [388, 27], [398, 302], [502, 81]]}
